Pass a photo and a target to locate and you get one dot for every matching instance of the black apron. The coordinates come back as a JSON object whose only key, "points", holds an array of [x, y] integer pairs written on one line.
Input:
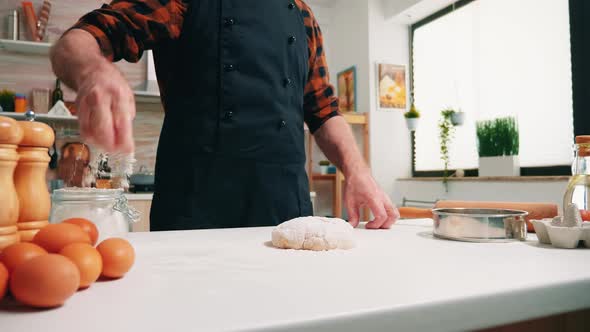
{"points": [[231, 150]]}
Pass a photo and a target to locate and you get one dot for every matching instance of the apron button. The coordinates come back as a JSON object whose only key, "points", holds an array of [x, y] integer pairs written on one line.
{"points": [[291, 6], [229, 22], [287, 81], [283, 123], [292, 39], [229, 115], [228, 67]]}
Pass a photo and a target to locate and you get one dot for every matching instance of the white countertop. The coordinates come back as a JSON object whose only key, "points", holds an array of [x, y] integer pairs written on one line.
{"points": [[399, 279]]}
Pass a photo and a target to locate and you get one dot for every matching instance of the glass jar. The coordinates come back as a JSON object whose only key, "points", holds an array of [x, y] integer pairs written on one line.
{"points": [[108, 209], [578, 188]]}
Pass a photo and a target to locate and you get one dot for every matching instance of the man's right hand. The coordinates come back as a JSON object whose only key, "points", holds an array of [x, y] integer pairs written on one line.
{"points": [[105, 102], [106, 108]]}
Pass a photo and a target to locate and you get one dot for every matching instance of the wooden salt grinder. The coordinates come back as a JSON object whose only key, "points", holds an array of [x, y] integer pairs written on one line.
{"points": [[10, 136], [30, 178]]}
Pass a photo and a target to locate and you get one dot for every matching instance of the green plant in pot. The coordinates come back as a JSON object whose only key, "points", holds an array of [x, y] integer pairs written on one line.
{"points": [[324, 165], [7, 100], [412, 117], [446, 132], [498, 146]]}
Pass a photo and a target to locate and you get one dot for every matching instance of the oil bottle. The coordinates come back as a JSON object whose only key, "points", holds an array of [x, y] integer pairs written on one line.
{"points": [[578, 188]]}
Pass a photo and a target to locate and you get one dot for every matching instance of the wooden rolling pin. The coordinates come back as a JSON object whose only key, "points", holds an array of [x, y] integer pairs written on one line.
{"points": [[414, 213], [535, 210]]}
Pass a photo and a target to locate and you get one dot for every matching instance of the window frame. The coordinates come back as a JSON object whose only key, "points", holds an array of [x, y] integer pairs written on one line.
{"points": [[579, 11]]}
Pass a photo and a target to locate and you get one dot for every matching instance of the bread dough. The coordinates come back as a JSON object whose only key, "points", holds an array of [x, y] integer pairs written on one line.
{"points": [[313, 233]]}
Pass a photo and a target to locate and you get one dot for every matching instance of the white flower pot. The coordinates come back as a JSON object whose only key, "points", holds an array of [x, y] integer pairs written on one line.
{"points": [[412, 123], [457, 118], [324, 169], [499, 166]]}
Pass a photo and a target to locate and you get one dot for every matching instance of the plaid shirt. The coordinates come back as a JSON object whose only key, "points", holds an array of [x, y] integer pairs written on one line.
{"points": [[125, 28]]}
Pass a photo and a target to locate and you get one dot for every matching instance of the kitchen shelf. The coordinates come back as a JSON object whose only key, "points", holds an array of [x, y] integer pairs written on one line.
{"points": [[40, 117], [355, 118], [24, 47], [319, 176]]}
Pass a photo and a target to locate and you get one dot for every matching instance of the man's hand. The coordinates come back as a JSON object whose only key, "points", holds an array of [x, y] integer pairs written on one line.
{"points": [[362, 191], [336, 141], [106, 108], [105, 102]]}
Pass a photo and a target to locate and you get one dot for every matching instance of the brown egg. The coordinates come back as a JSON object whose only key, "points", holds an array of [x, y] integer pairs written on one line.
{"points": [[117, 257], [3, 280], [88, 226], [45, 281], [16, 254], [54, 237], [87, 259]]}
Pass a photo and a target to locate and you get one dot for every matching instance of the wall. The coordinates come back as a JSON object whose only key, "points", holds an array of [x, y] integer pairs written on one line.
{"points": [[390, 138]]}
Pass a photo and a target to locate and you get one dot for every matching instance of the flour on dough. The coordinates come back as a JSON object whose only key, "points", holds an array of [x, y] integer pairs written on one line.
{"points": [[313, 233]]}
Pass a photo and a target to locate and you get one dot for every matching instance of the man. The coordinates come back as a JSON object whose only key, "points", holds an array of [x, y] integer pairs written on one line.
{"points": [[238, 79]]}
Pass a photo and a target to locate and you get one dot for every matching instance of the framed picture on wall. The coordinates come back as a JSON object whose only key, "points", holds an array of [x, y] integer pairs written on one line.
{"points": [[347, 90], [392, 91]]}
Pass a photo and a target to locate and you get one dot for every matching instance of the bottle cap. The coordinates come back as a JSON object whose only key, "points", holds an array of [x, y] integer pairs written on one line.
{"points": [[19, 96], [582, 139]]}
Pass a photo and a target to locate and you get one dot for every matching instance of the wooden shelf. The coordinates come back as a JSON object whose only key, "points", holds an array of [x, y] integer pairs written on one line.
{"points": [[40, 117], [319, 176], [24, 47], [355, 118]]}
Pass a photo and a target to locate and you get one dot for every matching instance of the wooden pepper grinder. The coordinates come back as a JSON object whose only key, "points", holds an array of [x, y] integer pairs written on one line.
{"points": [[30, 177], [10, 136]]}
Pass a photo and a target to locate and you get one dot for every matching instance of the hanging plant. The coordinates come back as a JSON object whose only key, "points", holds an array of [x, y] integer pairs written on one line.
{"points": [[412, 117], [446, 134]]}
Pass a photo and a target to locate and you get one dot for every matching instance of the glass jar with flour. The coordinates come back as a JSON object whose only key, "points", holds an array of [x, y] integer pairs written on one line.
{"points": [[108, 209]]}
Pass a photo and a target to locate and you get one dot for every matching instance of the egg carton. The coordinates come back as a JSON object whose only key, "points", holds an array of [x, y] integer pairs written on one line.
{"points": [[565, 231]]}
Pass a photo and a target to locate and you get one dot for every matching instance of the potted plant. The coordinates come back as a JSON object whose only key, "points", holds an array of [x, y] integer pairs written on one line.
{"points": [[498, 146], [457, 118], [412, 117], [446, 132], [7, 101], [324, 164]]}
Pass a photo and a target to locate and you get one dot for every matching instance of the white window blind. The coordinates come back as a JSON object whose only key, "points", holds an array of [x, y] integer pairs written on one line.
{"points": [[494, 58]]}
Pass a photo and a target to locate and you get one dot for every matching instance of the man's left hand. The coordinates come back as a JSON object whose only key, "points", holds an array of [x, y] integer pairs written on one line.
{"points": [[362, 191]]}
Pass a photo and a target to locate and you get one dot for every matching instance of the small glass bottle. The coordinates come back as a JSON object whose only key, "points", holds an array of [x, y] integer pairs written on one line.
{"points": [[578, 188], [20, 103], [57, 93]]}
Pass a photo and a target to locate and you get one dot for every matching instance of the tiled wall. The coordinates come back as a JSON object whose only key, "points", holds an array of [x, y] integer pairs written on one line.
{"points": [[22, 73]]}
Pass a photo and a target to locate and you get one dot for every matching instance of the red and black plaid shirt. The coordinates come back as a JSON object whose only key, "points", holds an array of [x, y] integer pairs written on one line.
{"points": [[125, 28]]}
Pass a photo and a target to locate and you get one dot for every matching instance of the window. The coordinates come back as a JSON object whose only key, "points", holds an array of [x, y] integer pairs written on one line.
{"points": [[494, 58]]}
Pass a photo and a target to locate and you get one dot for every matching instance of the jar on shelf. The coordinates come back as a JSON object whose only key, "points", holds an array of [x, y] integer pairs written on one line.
{"points": [[20, 103], [108, 209]]}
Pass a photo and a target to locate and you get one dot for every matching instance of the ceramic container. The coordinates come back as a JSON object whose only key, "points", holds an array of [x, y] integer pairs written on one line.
{"points": [[541, 230], [564, 237]]}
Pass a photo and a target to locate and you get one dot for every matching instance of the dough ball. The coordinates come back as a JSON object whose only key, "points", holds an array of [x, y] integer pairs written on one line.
{"points": [[313, 233]]}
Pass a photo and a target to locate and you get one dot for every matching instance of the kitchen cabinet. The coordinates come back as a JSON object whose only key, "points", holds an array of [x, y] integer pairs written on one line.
{"points": [[142, 203]]}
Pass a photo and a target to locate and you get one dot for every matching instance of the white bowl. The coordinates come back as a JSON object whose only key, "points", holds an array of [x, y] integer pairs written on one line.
{"points": [[564, 237], [541, 230]]}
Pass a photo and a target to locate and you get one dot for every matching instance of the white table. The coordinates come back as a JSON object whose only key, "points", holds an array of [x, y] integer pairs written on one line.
{"points": [[399, 279]]}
